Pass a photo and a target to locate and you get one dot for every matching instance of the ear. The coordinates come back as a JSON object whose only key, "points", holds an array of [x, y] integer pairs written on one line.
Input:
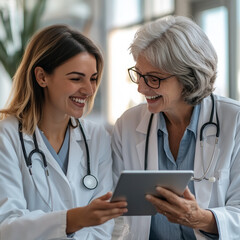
{"points": [[40, 76]]}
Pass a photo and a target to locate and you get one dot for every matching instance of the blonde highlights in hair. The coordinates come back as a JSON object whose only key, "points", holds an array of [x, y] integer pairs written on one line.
{"points": [[49, 48]]}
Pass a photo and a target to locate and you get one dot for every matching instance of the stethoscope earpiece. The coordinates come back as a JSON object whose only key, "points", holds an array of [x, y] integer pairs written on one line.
{"points": [[212, 179]]}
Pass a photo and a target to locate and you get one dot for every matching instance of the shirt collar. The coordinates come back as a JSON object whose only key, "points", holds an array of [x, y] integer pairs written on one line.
{"points": [[194, 120]]}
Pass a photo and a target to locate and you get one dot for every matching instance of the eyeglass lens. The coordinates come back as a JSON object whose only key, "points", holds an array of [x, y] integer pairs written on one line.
{"points": [[150, 80]]}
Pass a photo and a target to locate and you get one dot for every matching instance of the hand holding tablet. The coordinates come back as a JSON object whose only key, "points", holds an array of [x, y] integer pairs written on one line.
{"points": [[133, 186]]}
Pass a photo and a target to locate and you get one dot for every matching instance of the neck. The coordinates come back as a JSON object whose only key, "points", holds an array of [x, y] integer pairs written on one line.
{"points": [[54, 130], [176, 123], [180, 117]]}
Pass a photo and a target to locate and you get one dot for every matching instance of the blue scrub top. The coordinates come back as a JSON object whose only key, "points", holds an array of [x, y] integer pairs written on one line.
{"points": [[62, 156]]}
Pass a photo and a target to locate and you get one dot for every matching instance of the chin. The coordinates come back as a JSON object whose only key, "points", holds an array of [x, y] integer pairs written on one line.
{"points": [[76, 115], [153, 110]]}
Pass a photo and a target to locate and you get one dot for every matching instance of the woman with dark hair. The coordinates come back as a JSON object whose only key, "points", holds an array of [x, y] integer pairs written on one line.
{"points": [[182, 126], [54, 166]]}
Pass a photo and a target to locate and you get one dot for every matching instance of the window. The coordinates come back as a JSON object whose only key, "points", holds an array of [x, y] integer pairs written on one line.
{"points": [[220, 20], [209, 19], [127, 16], [121, 91]]}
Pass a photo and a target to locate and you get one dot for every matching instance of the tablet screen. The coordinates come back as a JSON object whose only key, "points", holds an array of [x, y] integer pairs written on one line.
{"points": [[132, 186]]}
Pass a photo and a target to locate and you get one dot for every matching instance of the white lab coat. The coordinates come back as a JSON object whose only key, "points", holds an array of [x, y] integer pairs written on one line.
{"points": [[222, 196], [25, 208]]}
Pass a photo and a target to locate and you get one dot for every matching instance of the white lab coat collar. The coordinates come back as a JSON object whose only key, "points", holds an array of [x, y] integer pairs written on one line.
{"points": [[75, 152], [42, 147], [76, 133], [143, 124], [152, 146]]}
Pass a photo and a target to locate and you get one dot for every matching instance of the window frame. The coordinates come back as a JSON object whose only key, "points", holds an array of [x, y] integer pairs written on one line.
{"points": [[198, 6]]}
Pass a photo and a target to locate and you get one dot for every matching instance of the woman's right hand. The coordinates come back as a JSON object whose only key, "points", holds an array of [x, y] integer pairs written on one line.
{"points": [[97, 212]]}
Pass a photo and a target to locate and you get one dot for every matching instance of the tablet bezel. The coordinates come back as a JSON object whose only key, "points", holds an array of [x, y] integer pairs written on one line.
{"points": [[133, 185]]}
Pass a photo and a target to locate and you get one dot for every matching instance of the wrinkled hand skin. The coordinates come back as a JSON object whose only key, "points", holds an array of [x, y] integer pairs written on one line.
{"points": [[183, 210]]}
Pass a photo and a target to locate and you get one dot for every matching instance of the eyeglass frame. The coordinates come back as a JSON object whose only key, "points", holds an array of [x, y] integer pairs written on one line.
{"points": [[144, 77]]}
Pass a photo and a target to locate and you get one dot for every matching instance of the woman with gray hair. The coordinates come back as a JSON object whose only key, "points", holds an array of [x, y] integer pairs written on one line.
{"points": [[182, 126]]}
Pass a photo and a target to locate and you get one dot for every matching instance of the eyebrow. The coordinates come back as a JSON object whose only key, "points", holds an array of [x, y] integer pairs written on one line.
{"points": [[79, 73]]}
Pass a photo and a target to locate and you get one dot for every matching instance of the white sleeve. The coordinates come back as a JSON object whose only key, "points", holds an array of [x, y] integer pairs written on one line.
{"points": [[228, 216], [16, 221], [118, 165], [121, 229]]}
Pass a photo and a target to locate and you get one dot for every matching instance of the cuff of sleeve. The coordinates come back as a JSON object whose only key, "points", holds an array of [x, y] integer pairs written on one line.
{"points": [[211, 235], [60, 218]]}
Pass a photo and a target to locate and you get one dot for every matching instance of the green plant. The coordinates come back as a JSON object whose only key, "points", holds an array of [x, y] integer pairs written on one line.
{"points": [[10, 57]]}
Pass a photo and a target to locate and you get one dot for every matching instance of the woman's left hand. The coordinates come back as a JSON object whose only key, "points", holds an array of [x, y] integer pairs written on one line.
{"points": [[183, 210]]}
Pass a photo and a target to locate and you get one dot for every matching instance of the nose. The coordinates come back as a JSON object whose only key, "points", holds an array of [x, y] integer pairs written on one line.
{"points": [[88, 88]]}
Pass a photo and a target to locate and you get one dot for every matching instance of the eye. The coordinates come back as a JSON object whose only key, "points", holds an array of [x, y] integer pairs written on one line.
{"points": [[153, 79], [93, 79], [75, 79]]}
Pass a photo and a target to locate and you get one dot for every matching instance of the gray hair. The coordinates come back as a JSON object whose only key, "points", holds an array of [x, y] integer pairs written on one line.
{"points": [[178, 46]]}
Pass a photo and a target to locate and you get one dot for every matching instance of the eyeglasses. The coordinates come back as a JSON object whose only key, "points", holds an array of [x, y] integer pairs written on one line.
{"points": [[150, 80]]}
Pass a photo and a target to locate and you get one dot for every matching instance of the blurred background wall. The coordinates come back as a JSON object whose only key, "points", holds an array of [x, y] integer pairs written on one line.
{"points": [[111, 24]]}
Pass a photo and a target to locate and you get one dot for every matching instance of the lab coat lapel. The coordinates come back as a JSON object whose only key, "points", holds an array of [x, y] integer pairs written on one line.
{"points": [[203, 189], [76, 153], [39, 175], [152, 146]]}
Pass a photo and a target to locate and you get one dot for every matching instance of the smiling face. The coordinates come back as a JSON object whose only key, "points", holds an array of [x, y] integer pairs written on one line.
{"points": [[164, 99], [71, 84]]}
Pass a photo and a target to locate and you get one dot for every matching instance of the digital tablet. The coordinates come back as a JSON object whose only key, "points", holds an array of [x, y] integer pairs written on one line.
{"points": [[132, 186]]}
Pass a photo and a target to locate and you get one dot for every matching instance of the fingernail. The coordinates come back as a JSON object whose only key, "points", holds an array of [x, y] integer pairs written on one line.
{"points": [[148, 197]]}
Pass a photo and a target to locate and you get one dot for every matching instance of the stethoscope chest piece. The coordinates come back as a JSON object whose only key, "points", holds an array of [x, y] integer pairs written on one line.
{"points": [[90, 182]]}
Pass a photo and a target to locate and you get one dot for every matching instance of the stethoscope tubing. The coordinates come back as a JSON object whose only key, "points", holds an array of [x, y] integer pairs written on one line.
{"points": [[147, 141], [87, 150], [89, 180], [210, 122]]}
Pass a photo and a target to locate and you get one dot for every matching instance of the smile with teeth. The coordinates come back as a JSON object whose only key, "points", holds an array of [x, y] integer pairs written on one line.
{"points": [[153, 97], [78, 100]]}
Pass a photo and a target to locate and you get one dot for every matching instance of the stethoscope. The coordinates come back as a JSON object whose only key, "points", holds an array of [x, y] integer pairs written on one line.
{"points": [[89, 180], [210, 122]]}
